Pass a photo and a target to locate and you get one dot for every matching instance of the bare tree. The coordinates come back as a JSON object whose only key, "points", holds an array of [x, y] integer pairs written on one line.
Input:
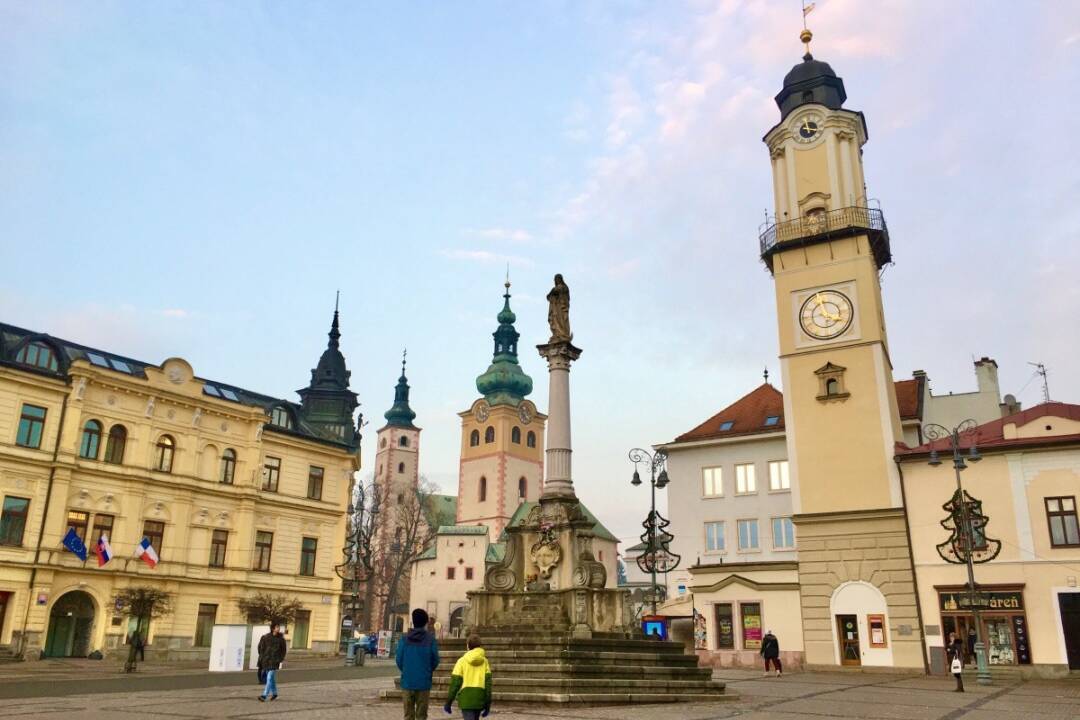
{"points": [[360, 565], [408, 532], [270, 608]]}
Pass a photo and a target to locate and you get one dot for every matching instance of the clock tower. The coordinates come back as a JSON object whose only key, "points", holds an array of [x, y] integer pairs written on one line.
{"points": [[826, 249], [502, 438]]}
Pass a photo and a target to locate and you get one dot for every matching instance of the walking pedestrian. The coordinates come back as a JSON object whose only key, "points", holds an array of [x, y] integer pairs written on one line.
{"points": [[770, 650], [955, 654], [271, 655], [470, 682], [417, 657]]}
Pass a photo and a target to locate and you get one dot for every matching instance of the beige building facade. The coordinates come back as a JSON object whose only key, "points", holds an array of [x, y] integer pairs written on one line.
{"points": [[236, 492]]}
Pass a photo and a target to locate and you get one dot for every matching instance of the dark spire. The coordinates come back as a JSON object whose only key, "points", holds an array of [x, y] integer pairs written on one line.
{"points": [[327, 403], [401, 415]]}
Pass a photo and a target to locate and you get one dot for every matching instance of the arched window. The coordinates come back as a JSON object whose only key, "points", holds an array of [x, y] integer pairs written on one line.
{"points": [[832, 386], [401, 467], [489, 435], [91, 440], [401, 499], [522, 489], [530, 439], [114, 446], [280, 416], [382, 443], [228, 466], [483, 489], [403, 441], [39, 355], [165, 448], [474, 438], [515, 435]]}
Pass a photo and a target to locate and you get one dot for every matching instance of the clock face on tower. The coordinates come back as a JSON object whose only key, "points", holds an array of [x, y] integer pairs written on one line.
{"points": [[524, 414], [482, 412], [826, 314], [807, 128]]}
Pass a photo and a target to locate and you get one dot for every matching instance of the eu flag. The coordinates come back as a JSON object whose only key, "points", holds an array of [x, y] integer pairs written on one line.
{"points": [[75, 544]]}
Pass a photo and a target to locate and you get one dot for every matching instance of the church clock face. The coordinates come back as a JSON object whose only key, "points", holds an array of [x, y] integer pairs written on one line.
{"points": [[826, 314], [482, 412], [524, 414], [807, 128]]}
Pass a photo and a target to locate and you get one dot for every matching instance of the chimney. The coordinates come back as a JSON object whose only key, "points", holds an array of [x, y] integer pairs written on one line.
{"points": [[986, 376]]}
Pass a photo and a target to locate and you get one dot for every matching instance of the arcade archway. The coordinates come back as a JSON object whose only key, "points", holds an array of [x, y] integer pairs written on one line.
{"points": [[71, 624]]}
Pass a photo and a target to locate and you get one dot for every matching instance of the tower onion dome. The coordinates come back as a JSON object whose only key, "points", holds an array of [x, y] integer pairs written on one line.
{"points": [[505, 383], [401, 415], [811, 81]]}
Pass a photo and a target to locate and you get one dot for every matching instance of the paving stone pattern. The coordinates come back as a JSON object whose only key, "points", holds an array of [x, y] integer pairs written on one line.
{"points": [[802, 696]]}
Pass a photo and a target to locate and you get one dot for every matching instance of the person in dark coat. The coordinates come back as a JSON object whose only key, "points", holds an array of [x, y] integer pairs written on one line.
{"points": [[271, 654], [954, 653], [972, 638], [770, 650], [417, 657]]}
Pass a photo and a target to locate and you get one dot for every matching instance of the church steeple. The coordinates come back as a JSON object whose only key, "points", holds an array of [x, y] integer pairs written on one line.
{"points": [[505, 383], [401, 415], [327, 403]]}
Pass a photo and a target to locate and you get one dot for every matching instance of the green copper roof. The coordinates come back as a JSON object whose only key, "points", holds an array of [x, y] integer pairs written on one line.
{"points": [[495, 552], [401, 415], [505, 383]]}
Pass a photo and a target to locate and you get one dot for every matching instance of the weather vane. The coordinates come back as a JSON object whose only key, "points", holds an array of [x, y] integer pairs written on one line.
{"points": [[805, 36]]}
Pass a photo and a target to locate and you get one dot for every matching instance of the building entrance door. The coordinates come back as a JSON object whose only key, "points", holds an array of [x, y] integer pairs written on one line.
{"points": [[70, 624], [847, 628], [1070, 625]]}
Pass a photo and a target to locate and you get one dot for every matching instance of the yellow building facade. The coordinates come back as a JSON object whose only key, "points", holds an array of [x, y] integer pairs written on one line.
{"points": [[237, 493]]}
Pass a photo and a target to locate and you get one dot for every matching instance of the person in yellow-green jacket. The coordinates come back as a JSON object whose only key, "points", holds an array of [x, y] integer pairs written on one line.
{"points": [[470, 682]]}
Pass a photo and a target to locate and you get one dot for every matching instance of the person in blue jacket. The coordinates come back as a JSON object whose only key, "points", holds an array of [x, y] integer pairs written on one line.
{"points": [[417, 658]]}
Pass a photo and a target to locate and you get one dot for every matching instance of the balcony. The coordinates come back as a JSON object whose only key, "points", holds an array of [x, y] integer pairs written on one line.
{"points": [[824, 226]]}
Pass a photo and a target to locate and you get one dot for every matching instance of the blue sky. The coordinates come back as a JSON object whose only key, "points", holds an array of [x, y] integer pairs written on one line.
{"points": [[197, 179]]}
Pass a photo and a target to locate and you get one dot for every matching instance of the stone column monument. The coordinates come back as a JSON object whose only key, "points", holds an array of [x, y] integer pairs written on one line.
{"points": [[559, 353]]}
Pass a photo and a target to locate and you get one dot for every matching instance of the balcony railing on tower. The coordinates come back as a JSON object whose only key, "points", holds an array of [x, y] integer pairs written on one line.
{"points": [[815, 227]]}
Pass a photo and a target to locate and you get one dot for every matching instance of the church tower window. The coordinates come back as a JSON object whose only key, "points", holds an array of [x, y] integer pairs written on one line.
{"points": [[489, 435], [515, 435], [530, 439], [482, 491], [474, 438]]}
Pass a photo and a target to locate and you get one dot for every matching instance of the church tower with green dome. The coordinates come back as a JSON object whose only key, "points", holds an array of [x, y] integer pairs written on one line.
{"points": [[502, 437]]}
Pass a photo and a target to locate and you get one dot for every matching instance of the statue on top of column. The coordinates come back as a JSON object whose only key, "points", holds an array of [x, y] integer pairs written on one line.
{"points": [[559, 312]]}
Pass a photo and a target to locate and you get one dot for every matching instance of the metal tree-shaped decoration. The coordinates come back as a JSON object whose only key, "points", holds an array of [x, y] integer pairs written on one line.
{"points": [[966, 538], [657, 555]]}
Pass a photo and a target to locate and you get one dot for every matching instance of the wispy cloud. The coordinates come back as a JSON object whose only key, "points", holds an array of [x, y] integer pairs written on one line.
{"points": [[485, 256], [515, 235], [176, 313]]}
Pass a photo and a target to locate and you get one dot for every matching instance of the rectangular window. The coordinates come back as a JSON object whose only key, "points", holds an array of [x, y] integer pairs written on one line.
{"points": [[13, 520], [751, 625], [783, 533], [78, 521], [301, 629], [1061, 517], [271, 473], [264, 543], [468, 573], [219, 543], [204, 624], [745, 482], [714, 537], [308, 548], [154, 531], [31, 425], [778, 475], [712, 482], [449, 573], [314, 483], [748, 535], [103, 525], [725, 627]]}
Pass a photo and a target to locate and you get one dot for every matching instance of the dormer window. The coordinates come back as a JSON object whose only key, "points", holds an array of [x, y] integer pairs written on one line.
{"points": [[39, 355], [727, 425], [280, 417], [772, 420]]}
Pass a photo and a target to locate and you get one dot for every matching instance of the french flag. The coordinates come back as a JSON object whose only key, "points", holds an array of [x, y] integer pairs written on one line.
{"points": [[146, 552], [103, 551]]}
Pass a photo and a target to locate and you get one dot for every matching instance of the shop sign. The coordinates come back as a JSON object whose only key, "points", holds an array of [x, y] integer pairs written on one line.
{"points": [[960, 600]]}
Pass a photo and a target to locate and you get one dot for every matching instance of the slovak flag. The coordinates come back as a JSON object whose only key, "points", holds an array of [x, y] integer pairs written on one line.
{"points": [[103, 551], [145, 551]]}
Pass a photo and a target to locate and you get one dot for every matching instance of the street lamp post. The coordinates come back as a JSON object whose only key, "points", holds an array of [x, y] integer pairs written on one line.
{"points": [[934, 432], [350, 570], [657, 481]]}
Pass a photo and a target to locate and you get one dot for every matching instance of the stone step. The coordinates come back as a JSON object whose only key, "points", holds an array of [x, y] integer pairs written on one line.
{"points": [[586, 698], [590, 669], [555, 641], [500, 656], [508, 684]]}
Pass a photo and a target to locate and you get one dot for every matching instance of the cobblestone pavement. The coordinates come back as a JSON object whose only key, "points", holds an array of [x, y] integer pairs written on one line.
{"points": [[808, 696]]}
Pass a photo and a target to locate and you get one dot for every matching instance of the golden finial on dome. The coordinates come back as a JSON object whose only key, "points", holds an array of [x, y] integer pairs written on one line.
{"points": [[806, 36]]}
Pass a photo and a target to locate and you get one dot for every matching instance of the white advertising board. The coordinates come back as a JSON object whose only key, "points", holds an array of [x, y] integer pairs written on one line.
{"points": [[227, 648], [257, 632]]}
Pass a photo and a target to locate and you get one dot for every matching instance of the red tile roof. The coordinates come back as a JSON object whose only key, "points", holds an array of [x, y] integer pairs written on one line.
{"points": [[747, 414], [991, 435]]}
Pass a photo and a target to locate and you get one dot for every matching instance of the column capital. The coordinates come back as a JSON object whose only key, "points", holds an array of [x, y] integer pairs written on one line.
{"points": [[559, 355]]}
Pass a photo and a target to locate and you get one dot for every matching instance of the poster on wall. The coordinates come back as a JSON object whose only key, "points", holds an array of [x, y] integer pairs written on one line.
{"points": [[384, 643], [257, 632], [751, 622], [700, 642], [725, 628]]}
